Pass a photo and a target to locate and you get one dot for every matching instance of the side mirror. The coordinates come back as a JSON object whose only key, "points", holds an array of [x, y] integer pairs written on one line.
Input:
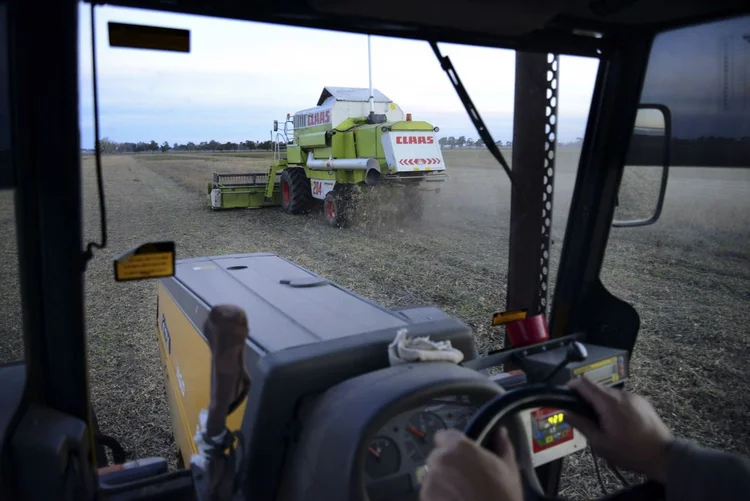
{"points": [[275, 125], [644, 178]]}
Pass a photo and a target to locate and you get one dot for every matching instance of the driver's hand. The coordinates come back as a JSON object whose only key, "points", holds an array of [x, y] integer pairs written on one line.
{"points": [[458, 469], [630, 434]]}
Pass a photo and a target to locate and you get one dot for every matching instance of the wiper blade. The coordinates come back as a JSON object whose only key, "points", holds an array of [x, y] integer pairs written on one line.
{"points": [[447, 66]]}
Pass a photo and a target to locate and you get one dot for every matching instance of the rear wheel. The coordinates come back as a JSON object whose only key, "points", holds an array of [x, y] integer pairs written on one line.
{"points": [[336, 208], [296, 197]]}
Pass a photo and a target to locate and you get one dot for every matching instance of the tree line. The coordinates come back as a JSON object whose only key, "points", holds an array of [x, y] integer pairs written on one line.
{"points": [[462, 141], [107, 146]]}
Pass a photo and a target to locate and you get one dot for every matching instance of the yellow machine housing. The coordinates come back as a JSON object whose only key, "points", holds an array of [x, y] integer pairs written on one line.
{"points": [[306, 334]]}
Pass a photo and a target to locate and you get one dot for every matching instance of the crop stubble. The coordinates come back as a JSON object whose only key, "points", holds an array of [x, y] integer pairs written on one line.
{"points": [[688, 276]]}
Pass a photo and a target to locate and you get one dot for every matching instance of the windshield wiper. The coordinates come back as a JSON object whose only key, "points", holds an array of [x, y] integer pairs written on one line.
{"points": [[446, 64]]}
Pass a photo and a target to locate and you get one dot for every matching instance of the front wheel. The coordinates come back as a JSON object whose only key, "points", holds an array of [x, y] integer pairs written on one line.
{"points": [[336, 208], [296, 196]]}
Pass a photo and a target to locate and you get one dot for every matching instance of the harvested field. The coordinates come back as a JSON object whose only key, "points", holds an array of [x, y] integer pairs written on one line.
{"points": [[688, 276]]}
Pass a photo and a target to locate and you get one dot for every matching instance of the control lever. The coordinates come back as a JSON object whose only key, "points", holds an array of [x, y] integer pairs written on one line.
{"points": [[576, 352], [216, 474]]}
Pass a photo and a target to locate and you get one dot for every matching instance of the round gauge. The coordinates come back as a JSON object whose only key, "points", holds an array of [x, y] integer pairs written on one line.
{"points": [[421, 430], [383, 458]]}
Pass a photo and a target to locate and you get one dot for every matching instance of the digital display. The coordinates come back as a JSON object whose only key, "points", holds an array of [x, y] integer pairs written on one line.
{"points": [[603, 374], [606, 371], [548, 429], [556, 418]]}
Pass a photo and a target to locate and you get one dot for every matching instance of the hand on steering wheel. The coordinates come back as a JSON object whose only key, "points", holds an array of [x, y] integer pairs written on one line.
{"points": [[459, 469], [630, 434]]}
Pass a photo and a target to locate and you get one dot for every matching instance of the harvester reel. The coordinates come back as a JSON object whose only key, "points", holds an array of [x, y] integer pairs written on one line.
{"points": [[296, 196]]}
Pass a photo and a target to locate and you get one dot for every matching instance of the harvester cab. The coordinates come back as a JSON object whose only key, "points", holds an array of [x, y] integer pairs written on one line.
{"points": [[282, 385]]}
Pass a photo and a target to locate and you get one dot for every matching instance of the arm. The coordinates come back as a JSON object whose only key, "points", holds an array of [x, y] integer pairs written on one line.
{"points": [[632, 436], [697, 473]]}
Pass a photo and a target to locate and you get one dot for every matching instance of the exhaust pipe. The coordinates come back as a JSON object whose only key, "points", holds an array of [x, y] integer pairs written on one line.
{"points": [[366, 164]]}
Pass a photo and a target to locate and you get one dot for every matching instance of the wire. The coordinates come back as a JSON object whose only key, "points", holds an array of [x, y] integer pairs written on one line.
{"points": [[89, 253], [598, 473]]}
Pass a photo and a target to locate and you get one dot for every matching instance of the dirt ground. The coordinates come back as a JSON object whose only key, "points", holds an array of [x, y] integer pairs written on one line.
{"points": [[688, 276]]}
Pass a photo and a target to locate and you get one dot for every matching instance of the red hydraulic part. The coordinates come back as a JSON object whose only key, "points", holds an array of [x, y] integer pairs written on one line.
{"points": [[522, 330]]}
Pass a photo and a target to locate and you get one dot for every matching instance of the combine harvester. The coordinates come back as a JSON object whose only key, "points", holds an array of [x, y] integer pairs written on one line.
{"points": [[352, 141]]}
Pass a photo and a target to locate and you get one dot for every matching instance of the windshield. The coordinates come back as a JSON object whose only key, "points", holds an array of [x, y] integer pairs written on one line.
{"points": [[171, 121], [268, 139]]}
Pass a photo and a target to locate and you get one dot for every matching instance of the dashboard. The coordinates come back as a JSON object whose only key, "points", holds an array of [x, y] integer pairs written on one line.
{"points": [[396, 455]]}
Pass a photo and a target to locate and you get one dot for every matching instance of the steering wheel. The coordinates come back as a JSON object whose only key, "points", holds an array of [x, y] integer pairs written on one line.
{"points": [[504, 409]]}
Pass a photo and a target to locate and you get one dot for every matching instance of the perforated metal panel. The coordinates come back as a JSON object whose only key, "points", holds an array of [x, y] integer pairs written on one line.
{"points": [[550, 130], [534, 140]]}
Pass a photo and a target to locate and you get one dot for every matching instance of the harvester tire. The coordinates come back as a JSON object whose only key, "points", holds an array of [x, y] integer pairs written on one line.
{"points": [[336, 208], [296, 196]]}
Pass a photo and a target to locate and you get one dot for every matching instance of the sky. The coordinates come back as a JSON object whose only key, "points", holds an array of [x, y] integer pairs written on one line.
{"points": [[240, 76]]}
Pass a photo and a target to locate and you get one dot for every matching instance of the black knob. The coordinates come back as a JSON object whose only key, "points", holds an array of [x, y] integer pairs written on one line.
{"points": [[576, 352]]}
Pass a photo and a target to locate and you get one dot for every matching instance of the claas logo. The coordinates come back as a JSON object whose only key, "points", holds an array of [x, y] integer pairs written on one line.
{"points": [[415, 140], [320, 117]]}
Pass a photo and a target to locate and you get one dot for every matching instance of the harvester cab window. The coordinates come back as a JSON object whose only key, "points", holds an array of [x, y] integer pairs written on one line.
{"points": [[11, 344], [687, 274]]}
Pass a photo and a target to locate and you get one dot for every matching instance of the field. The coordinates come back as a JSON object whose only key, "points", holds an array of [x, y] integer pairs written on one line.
{"points": [[688, 276]]}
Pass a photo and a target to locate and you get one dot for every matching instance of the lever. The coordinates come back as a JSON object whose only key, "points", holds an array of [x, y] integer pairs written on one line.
{"points": [[576, 352], [217, 472]]}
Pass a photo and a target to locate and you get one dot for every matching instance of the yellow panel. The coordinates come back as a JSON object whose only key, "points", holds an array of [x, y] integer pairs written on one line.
{"points": [[186, 358], [595, 365], [151, 260], [507, 317]]}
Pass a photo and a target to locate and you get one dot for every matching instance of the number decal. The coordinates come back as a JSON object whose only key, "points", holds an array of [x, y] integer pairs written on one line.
{"points": [[319, 187]]}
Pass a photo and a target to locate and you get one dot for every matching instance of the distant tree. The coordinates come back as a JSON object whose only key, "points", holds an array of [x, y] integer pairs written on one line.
{"points": [[470, 142], [479, 143], [508, 144], [190, 146], [579, 140], [212, 145], [165, 147], [250, 145], [443, 142], [451, 141], [461, 141], [107, 146]]}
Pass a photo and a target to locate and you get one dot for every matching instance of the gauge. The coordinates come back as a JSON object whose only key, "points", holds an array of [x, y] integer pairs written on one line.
{"points": [[421, 430], [413, 451], [383, 458]]}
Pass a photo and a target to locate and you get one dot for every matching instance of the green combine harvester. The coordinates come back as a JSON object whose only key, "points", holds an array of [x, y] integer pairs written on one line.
{"points": [[354, 140]]}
